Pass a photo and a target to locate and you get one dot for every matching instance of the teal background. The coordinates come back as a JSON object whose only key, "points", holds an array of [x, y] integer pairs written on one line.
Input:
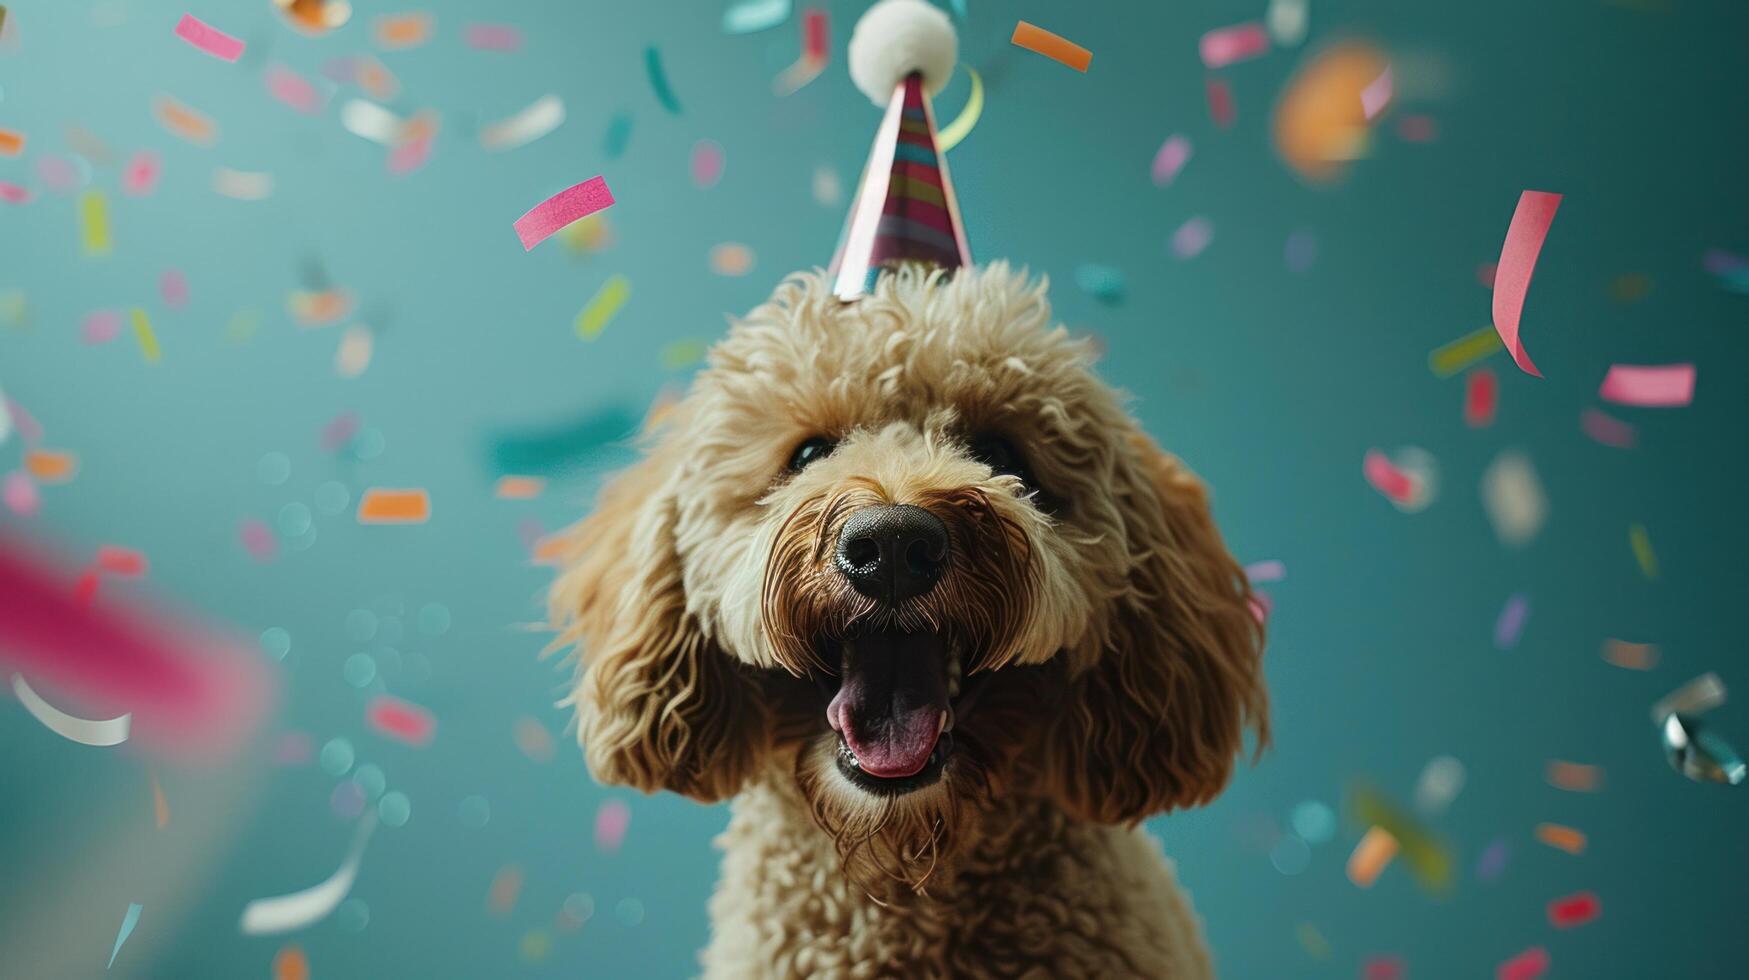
{"points": [[1271, 384]]}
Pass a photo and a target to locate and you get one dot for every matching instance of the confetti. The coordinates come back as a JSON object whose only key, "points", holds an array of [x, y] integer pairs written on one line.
{"points": [[20, 494], [1699, 754], [1561, 837], [339, 430], [502, 893], [128, 920], [1287, 22], [519, 487], [707, 163], [1641, 544], [292, 89], [144, 336], [290, 963], [1192, 237], [371, 121], [1417, 129], [554, 213], [1630, 656], [659, 80], [140, 175], [1376, 97], [1230, 45], [1573, 776], [242, 185], [540, 118], [1662, 386], [184, 121], [402, 721], [409, 155], [1510, 624], [1481, 398], [682, 353], [611, 821], [1429, 858], [1371, 856], [160, 806], [1058, 49], [121, 562], [173, 288], [1608, 430], [398, 32], [315, 16], [11, 143], [752, 16], [825, 186], [1220, 101], [492, 37], [14, 194], [1492, 863], [1386, 478], [617, 136], [51, 465], [299, 910], [1574, 910], [5, 419], [1382, 968], [602, 306], [85, 589], [1524, 242], [383, 506], [94, 223], [207, 38], [1300, 252], [1320, 124], [1170, 159], [257, 539], [353, 355], [533, 740], [1441, 781], [1513, 497], [1698, 696], [1528, 965], [954, 132], [100, 732], [816, 49], [1312, 940], [1461, 353], [319, 309], [731, 259]]}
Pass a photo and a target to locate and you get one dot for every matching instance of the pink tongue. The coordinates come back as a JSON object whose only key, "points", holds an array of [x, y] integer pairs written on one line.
{"points": [[890, 705]]}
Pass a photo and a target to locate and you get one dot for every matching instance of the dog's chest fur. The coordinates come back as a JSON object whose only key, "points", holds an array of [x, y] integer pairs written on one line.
{"points": [[1037, 895]]}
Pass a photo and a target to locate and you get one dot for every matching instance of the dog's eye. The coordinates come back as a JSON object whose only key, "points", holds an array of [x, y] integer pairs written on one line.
{"points": [[1000, 455], [811, 450]]}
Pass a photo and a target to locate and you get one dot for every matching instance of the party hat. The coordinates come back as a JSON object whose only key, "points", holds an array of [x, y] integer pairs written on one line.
{"points": [[904, 210]]}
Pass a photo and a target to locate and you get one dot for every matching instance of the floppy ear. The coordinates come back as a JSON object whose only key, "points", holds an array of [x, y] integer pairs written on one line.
{"points": [[1155, 723], [659, 705]]}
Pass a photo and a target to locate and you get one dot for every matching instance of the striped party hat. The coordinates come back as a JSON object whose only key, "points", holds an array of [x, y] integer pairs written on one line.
{"points": [[904, 210]]}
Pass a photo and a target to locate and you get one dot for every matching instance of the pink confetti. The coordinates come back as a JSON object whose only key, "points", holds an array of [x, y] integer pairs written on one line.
{"points": [[611, 822], [292, 89], [401, 720], [121, 562], [1386, 478], [1266, 571], [20, 494], [29, 429], [493, 37], [1481, 397], [208, 38], [1377, 95], [257, 539], [1524, 241], [1383, 968], [1228, 45], [173, 287], [1192, 237], [1607, 429], [707, 163], [1171, 158], [13, 194], [1528, 965], [58, 173], [85, 589], [1649, 386], [339, 430], [1262, 604], [1574, 910], [574, 203], [409, 156], [100, 327], [1220, 98], [141, 174]]}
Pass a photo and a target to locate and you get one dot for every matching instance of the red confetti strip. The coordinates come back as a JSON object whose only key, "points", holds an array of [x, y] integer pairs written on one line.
{"points": [[1386, 478], [1220, 97], [1528, 965], [401, 720], [1481, 396], [1524, 242], [1574, 910], [121, 562]]}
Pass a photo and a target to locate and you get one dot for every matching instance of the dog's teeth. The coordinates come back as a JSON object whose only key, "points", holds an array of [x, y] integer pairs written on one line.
{"points": [[941, 726]]}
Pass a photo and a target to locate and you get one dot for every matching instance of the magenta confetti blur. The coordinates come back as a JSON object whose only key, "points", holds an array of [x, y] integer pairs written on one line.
{"points": [[339, 431], [1192, 237], [409, 156], [194, 693], [1607, 429], [293, 89], [1510, 625], [14, 194], [1171, 158], [173, 287], [707, 163], [1492, 863], [611, 821], [20, 494], [100, 327], [257, 539], [141, 174], [1301, 251], [492, 37]]}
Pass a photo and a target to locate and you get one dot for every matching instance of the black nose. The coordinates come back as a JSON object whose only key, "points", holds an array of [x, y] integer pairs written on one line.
{"points": [[892, 553]]}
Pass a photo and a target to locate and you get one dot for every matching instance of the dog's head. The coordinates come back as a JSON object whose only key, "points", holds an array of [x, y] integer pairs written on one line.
{"points": [[912, 549]]}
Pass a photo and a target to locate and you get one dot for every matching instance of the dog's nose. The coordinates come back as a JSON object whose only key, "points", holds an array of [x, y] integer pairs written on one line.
{"points": [[892, 553]]}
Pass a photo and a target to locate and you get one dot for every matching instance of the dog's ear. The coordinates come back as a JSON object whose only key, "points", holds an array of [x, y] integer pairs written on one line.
{"points": [[1155, 723], [659, 704]]}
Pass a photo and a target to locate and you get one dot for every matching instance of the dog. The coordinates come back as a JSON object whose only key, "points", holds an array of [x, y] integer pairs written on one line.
{"points": [[903, 579]]}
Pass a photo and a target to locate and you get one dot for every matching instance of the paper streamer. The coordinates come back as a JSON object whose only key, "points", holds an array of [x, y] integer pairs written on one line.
{"points": [[208, 38], [1696, 697], [286, 913], [1376, 97], [1660, 386], [659, 80], [1242, 42], [1170, 159], [128, 921], [602, 306], [540, 118], [1055, 47], [962, 124], [816, 50], [100, 732], [5, 419], [751, 16], [379, 505], [1524, 242], [554, 213]]}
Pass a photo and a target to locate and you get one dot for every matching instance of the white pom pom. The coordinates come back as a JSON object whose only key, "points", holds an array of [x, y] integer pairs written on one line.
{"points": [[897, 37]]}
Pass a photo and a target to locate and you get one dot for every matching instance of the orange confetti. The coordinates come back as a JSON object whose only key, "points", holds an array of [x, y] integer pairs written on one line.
{"points": [[1052, 46], [51, 466], [520, 487], [290, 963], [160, 806], [1565, 838], [403, 30], [1575, 776], [188, 123], [1633, 656], [319, 309], [121, 562], [1371, 856], [11, 142], [551, 550], [383, 506], [1321, 122], [731, 259], [506, 886]]}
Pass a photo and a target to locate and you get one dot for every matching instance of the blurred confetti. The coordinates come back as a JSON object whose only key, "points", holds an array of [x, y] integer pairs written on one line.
{"points": [[611, 821], [1561, 837], [128, 920], [299, 910], [1510, 624], [506, 886], [1574, 776], [1574, 910], [1513, 497], [1528, 965]]}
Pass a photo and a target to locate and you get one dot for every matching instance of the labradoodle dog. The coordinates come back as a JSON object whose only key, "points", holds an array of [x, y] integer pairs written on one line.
{"points": [[903, 578]]}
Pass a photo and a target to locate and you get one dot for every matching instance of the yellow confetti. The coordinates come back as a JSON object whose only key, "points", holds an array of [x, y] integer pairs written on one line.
{"points": [[1642, 545], [682, 353], [94, 222], [143, 333], [1312, 940], [962, 124], [1463, 352], [602, 306]]}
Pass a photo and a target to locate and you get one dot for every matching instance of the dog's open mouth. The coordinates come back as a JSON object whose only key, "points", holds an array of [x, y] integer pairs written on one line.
{"points": [[894, 709]]}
